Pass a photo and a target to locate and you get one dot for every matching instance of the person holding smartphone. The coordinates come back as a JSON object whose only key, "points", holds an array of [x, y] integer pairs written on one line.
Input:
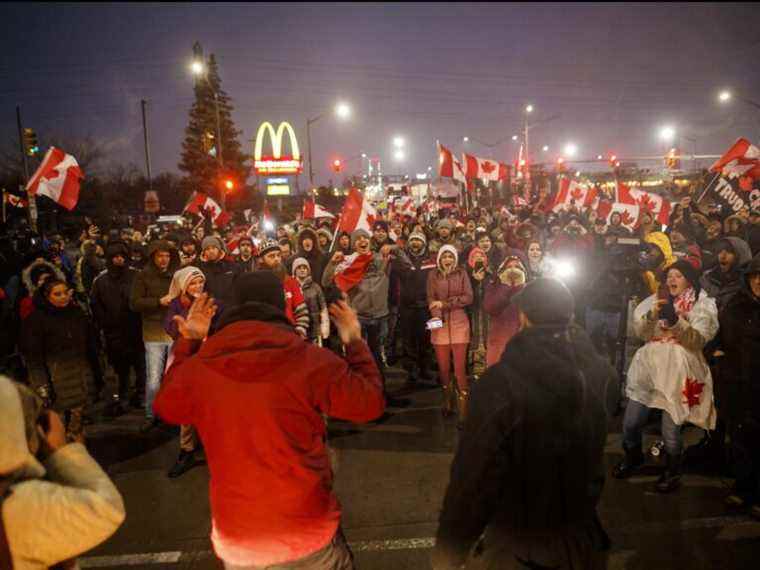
{"points": [[670, 372]]}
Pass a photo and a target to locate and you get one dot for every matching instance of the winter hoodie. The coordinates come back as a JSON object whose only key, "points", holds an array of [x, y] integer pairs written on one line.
{"points": [[722, 286]]}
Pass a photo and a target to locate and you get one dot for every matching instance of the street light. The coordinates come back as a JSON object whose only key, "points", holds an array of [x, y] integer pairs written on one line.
{"points": [[399, 155], [466, 139], [545, 148], [529, 109], [342, 111], [197, 67], [399, 142], [571, 149], [514, 137], [724, 96], [668, 133]]}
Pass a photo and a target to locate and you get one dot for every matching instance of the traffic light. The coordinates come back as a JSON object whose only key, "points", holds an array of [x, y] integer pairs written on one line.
{"points": [[337, 165], [673, 159], [31, 146]]}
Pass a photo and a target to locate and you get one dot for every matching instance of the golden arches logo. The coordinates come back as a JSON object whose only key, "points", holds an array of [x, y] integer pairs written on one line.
{"points": [[276, 138]]}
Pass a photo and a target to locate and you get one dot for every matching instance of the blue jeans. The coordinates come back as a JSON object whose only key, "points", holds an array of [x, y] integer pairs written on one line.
{"points": [[156, 354], [636, 416]]}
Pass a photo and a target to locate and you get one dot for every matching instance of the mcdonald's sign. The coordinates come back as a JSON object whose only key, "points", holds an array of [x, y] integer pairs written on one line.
{"points": [[276, 162]]}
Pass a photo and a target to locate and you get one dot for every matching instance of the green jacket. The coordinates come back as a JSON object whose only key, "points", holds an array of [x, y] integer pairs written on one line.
{"points": [[147, 289]]}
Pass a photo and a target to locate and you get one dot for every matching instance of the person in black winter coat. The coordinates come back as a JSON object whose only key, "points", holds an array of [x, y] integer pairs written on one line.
{"points": [[737, 388], [414, 313], [56, 341], [220, 270], [121, 327], [309, 249], [529, 469]]}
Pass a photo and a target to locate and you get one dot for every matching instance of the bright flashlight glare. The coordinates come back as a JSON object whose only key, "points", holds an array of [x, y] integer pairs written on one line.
{"points": [[268, 226], [564, 269]]}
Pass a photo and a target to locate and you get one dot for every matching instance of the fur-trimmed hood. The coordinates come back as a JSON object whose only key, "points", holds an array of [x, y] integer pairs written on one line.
{"points": [[26, 275]]}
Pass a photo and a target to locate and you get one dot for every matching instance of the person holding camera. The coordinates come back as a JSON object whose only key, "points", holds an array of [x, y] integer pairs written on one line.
{"points": [[503, 322], [55, 500], [260, 418], [670, 372], [448, 293]]}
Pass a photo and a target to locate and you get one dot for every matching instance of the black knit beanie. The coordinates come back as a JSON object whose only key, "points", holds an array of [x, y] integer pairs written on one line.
{"points": [[546, 301], [258, 287], [690, 272]]}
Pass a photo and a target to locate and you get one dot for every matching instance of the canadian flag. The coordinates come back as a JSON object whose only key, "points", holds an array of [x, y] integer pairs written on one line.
{"points": [[201, 204], [313, 210], [741, 161], [15, 201], [351, 270], [449, 166], [404, 206], [653, 203], [58, 178], [570, 192], [357, 213], [625, 205], [483, 168]]}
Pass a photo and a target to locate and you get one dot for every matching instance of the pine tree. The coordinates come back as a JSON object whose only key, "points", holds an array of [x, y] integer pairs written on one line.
{"points": [[198, 160]]}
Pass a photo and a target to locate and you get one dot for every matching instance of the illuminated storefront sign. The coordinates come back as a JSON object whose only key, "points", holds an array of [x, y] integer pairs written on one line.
{"points": [[276, 163], [278, 187]]}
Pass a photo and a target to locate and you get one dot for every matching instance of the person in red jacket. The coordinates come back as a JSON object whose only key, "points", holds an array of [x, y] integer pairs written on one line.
{"points": [[260, 419]]}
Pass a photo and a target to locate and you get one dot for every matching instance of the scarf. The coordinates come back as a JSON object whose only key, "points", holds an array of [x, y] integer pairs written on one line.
{"points": [[684, 302]]}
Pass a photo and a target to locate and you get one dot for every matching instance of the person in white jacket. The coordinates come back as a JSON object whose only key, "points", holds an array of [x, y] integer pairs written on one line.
{"points": [[670, 372], [56, 507]]}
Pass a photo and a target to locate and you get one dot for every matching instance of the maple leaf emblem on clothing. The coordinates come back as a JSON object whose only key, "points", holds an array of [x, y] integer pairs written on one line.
{"points": [[692, 391], [487, 167]]}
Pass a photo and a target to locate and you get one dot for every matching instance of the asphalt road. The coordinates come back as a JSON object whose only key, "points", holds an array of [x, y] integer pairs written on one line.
{"points": [[391, 477]]}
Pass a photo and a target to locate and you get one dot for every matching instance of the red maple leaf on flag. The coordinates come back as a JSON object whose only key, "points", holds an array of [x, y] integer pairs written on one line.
{"points": [[645, 202], [576, 194], [487, 167], [626, 218], [692, 391]]}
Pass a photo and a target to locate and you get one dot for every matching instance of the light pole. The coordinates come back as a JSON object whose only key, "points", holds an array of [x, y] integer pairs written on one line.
{"points": [[725, 96], [342, 111]]}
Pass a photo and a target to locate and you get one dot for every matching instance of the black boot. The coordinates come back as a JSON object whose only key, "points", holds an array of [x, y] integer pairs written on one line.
{"points": [[670, 480], [634, 458], [184, 463]]}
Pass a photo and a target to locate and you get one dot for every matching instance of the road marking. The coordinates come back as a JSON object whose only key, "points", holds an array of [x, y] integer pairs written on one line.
{"points": [[130, 559]]}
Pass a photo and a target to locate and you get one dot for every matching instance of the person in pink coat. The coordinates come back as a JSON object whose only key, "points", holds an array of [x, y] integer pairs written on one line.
{"points": [[448, 293]]}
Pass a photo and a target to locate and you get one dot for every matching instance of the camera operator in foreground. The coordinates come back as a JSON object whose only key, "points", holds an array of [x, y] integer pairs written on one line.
{"points": [[48, 514], [529, 470], [260, 420]]}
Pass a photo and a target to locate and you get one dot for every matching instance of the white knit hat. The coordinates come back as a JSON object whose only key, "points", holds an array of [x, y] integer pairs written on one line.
{"points": [[182, 279]]}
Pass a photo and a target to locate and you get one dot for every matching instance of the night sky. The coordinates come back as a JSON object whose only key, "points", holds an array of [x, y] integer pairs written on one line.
{"points": [[614, 74]]}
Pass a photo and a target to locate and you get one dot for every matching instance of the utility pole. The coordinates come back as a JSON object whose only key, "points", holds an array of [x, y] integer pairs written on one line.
{"points": [[143, 105], [30, 197]]}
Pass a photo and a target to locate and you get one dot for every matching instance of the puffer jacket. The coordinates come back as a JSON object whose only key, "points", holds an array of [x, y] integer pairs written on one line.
{"points": [[148, 288], [54, 511], [26, 306], [455, 292], [504, 320], [56, 346]]}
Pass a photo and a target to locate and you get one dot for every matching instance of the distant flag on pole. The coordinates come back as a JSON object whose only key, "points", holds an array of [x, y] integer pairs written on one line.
{"points": [[58, 178], [312, 210]]}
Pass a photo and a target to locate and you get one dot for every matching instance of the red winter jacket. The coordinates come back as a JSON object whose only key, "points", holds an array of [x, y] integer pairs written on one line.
{"points": [[256, 392]]}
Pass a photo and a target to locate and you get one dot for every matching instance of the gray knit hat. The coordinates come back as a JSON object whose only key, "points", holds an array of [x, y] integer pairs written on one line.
{"points": [[358, 233], [213, 241], [418, 235], [444, 223]]}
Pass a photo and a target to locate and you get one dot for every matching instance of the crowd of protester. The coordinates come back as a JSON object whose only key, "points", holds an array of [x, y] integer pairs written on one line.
{"points": [[436, 294]]}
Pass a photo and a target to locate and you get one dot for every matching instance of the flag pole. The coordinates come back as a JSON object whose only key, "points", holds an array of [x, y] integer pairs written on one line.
{"points": [[335, 235], [708, 187]]}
